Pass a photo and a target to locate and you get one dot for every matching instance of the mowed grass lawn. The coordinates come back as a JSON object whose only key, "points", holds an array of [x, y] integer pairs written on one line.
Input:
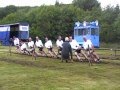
{"points": [[21, 72]]}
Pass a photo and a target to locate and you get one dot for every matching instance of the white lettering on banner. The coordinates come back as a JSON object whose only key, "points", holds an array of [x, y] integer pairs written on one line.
{"points": [[4, 28], [24, 28]]}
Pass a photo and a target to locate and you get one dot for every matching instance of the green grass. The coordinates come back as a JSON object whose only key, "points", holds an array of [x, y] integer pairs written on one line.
{"points": [[21, 72], [110, 45]]}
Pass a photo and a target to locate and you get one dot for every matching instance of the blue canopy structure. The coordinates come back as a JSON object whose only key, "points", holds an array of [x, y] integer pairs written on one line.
{"points": [[7, 31]]}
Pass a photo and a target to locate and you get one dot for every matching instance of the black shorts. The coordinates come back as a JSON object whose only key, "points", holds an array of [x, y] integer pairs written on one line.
{"points": [[40, 48], [24, 49], [17, 46], [78, 50], [31, 49], [90, 50], [50, 49], [59, 49]]}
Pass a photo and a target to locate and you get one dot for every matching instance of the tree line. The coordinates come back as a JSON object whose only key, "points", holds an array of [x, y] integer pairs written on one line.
{"points": [[59, 19]]}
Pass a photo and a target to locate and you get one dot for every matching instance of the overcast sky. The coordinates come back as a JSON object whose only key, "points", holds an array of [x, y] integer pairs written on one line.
{"points": [[4, 3]]}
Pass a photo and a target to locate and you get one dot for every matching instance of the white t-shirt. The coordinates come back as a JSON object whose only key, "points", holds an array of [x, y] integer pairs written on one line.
{"points": [[74, 44], [48, 44], [16, 41], [31, 44], [24, 46], [59, 43], [88, 42], [39, 43]]}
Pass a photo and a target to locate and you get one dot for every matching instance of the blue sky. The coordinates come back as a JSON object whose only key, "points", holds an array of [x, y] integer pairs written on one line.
{"points": [[4, 3]]}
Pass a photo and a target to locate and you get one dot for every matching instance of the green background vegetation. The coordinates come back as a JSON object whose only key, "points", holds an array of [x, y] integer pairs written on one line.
{"points": [[59, 19]]}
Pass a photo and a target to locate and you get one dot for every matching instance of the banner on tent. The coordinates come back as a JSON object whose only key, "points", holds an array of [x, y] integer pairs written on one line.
{"points": [[24, 28]]}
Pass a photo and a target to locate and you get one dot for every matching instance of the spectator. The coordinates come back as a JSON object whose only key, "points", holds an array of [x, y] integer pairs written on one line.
{"points": [[16, 42]]}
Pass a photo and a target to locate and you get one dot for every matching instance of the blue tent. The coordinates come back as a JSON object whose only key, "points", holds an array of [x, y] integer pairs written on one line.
{"points": [[7, 31]]}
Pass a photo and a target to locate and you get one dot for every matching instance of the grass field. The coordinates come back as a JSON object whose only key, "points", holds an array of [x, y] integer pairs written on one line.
{"points": [[21, 72]]}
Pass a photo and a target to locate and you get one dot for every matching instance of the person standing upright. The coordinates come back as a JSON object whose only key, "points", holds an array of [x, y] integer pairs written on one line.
{"points": [[66, 50], [16, 42]]}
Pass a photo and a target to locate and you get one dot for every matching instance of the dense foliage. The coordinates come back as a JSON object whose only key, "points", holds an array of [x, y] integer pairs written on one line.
{"points": [[59, 19]]}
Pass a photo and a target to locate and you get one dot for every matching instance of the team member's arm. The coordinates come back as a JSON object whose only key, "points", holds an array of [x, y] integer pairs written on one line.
{"points": [[50, 43], [57, 43], [41, 44], [91, 45]]}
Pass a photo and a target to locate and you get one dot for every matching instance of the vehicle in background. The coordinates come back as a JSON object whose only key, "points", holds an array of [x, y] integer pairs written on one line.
{"points": [[90, 30]]}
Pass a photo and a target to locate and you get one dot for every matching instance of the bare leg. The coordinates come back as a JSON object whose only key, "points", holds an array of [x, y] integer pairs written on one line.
{"points": [[55, 55], [61, 59], [35, 54], [82, 52], [51, 54], [45, 54], [96, 56], [78, 57]]}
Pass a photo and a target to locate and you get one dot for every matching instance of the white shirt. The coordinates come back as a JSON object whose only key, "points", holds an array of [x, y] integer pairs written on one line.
{"points": [[59, 43], [16, 41], [39, 43], [31, 44], [48, 44], [24, 46], [88, 42], [74, 44]]}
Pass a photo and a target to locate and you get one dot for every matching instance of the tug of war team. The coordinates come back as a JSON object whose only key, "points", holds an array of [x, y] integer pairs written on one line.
{"points": [[64, 48]]}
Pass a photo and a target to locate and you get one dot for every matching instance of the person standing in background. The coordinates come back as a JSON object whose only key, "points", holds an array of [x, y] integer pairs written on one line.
{"points": [[16, 43]]}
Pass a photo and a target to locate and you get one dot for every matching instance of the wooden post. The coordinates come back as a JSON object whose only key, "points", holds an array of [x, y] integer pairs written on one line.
{"points": [[115, 52], [10, 49], [90, 62]]}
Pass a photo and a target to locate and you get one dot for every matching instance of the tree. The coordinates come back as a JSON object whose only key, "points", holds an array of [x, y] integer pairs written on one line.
{"points": [[7, 10], [116, 30], [86, 4], [107, 19], [57, 3]]}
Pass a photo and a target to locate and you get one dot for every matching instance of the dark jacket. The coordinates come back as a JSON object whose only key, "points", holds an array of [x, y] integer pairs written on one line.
{"points": [[66, 50]]}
